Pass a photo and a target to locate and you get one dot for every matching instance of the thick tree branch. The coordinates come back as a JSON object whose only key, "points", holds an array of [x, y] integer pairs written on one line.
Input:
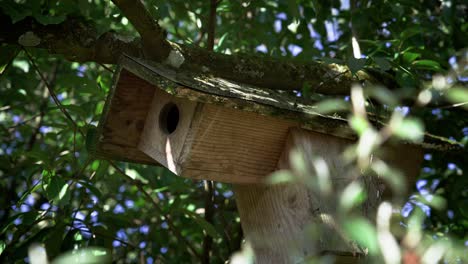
{"points": [[78, 40], [74, 38], [153, 37]]}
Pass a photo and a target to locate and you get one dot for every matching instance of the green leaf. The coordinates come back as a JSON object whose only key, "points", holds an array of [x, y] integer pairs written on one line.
{"points": [[25, 194], [353, 195], [280, 176], [426, 65], [306, 89], [409, 129], [383, 63], [91, 188], [409, 57], [2, 246], [102, 170], [91, 140], [409, 32], [363, 232], [54, 239], [56, 189], [15, 11], [332, 106], [48, 19], [382, 94], [463, 207], [207, 227], [458, 95], [30, 217], [90, 255], [218, 46], [7, 54], [356, 65], [359, 124]]}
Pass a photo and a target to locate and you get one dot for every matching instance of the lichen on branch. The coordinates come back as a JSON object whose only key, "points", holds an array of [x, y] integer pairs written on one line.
{"points": [[78, 40]]}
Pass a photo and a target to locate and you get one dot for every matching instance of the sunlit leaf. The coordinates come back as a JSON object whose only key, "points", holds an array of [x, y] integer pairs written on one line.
{"points": [[56, 189], [363, 232], [426, 65], [409, 129], [2, 246], [281, 176], [409, 57], [382, 94], [91, 255], [359, 124], [353, 195], [458, 95], [332, 106]]}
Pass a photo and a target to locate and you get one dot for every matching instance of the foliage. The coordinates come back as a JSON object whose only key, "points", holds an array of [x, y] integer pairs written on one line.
{"points": [[54, 193]]}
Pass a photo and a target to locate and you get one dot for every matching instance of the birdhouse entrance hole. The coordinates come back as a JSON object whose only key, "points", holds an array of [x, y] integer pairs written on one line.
{"points": [[169, 118]]}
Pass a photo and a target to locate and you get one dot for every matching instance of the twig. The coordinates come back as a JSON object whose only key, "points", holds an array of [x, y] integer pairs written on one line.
{"points": [[209, 215], [42, 110], [100, 233], [158, 209], [52, 93], [23, 122], [106, 68]]}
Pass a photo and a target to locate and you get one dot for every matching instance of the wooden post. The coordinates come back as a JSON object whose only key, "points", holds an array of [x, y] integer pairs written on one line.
{"points": [[275, 218]]}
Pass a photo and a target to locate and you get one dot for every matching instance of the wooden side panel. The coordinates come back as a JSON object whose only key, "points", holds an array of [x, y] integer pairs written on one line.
{"points": [[230, 145], [124, 119]]}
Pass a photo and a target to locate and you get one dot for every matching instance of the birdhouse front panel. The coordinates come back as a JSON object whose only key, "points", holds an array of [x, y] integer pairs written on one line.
{"points": [[205, 141]]}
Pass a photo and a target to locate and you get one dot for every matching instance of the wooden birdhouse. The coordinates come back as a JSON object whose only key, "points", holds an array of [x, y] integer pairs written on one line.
{"points": [[203, 127]]}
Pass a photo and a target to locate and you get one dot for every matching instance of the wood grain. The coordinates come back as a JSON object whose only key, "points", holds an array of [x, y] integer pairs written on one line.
{"points": [[124, 119], [277, 218], [233, 146], [163, 147]]}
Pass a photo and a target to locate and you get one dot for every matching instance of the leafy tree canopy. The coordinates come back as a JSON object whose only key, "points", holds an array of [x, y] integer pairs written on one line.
{"points": [[56, 65]]}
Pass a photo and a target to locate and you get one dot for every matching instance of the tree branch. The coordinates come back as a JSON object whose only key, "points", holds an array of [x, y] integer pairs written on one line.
{"points": [[212, 25], [153, 36], [209, 215], [77, 40], [74, 38]]}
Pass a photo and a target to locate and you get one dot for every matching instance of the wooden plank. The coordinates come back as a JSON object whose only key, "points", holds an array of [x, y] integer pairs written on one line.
{"points": [[276, 219], [124, 118], [233, 146]]}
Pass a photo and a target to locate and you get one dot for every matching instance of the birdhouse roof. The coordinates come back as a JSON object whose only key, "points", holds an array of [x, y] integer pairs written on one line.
{"points": [[134, 84]]}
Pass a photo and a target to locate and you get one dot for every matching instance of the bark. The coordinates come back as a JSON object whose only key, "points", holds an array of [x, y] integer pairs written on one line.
{"points": [[77, 40], [153, 36]]}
